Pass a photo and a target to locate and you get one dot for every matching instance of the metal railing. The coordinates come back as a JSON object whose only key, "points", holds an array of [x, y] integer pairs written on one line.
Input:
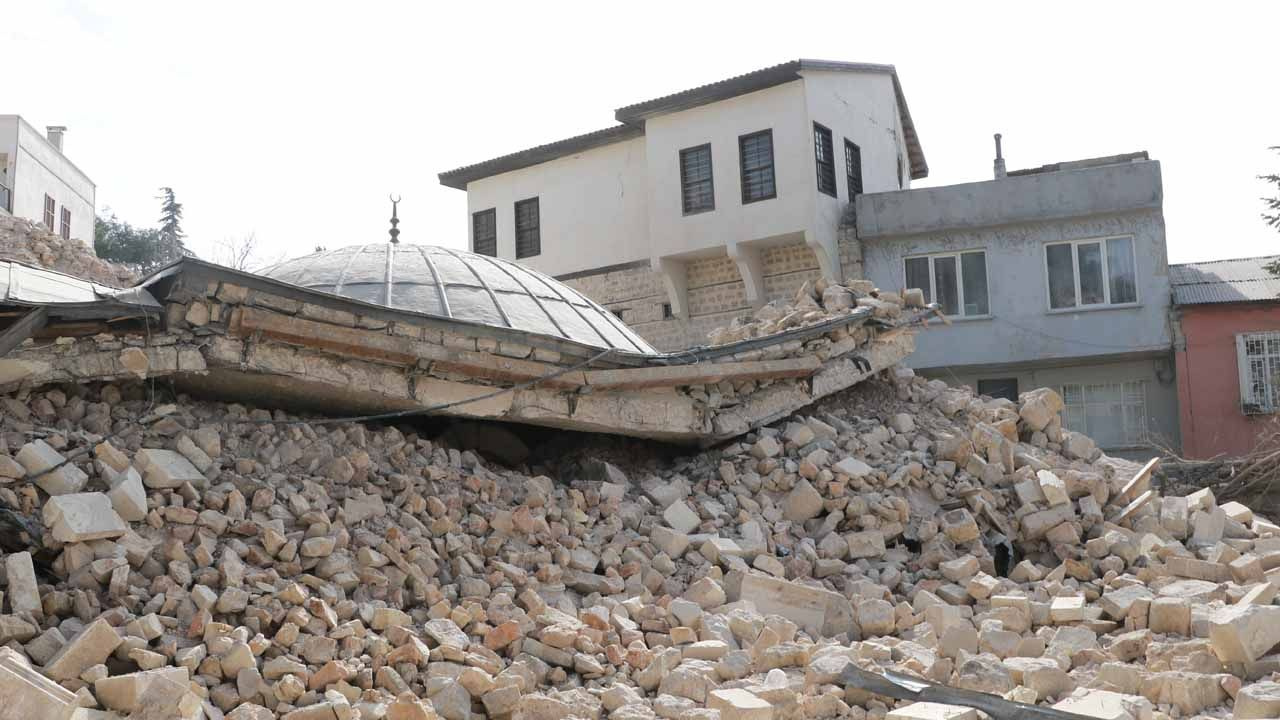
{"points": [[6, 199]]}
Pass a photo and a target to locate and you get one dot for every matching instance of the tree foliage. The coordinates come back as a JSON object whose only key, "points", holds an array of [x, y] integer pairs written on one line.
{"points": [[142, 249], [1272, 214], [170, 217]]}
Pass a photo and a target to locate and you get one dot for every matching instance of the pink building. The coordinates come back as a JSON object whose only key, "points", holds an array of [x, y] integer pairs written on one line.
{"points": [[1227, 344]]}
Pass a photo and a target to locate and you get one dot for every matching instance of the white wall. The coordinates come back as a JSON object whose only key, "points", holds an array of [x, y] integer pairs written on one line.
{"points": [[592, 205], [780, 108], [8, 148], [36, 170], [862, 108]]}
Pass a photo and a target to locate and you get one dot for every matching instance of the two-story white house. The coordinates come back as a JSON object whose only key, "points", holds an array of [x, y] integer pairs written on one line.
{"points": [[704, 204], [39, 183]]}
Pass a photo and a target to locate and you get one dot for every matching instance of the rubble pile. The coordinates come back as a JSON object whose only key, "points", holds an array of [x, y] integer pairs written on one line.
{"points": [[28, 242], [200, 559], [815, 302]]}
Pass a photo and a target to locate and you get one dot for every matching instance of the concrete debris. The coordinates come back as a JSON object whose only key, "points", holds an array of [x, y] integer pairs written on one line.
{"points": [[208, 559]]}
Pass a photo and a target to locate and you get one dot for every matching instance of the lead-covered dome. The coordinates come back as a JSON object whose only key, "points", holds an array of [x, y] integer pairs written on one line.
{"points": [[460, 285]]}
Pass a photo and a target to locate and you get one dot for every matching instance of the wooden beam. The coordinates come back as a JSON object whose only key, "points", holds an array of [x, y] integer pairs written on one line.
{"points": [[701, 373], [26, 326]]}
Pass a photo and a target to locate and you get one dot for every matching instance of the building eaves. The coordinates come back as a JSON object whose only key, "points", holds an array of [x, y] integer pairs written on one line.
{"points": [[769, 77], [459, 177], [1235, 280], [634, 116]]}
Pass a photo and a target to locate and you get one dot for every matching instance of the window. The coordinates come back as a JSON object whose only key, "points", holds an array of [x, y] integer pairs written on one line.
{"points": [[666, 311], [65, 230], [957, 282], [1113, 414], [853, 168], [697, 191], [755, 156], [900, 170], [48, 213], [528, 236], [617, 314], [1006, 388], [824, 155], [1258, 355], [484, 232], [1091, 273]]}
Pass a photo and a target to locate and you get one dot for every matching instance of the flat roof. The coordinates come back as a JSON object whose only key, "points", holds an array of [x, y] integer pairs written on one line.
{"points": [[633, 118]]}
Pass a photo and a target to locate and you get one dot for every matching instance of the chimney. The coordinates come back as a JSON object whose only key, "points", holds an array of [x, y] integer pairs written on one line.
{"points": [[55, 133], [999, 164]]}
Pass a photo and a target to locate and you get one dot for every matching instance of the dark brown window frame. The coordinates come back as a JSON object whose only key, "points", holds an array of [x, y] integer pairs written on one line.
{"points": [[49, 207], [65, 229], [853, 180], [826, 171], [535, 229], [491, 241], [685, 182], [742, 167]]}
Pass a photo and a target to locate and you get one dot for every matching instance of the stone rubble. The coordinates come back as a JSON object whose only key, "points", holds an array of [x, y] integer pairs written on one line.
{"points": [[213, 564], [30, 243]]}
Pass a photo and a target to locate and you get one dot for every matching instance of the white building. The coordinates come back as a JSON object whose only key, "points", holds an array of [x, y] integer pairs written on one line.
{"points": [[704, 204], [39, 183]]}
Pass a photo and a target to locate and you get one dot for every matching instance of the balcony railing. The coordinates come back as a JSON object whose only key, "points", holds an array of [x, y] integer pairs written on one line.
{"points": [[6, 199]]}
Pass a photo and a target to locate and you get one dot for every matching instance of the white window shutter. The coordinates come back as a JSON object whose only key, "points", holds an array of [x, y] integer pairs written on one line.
{"points": [[1242, 367]]}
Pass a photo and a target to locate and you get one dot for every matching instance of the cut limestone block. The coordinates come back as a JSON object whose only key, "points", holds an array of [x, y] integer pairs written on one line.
{"points": [[680, 518], [1106, 704], [1054, 489], [815, 609], [1244, 633], [81, 517], [166, 469], [1259, 700], [24, 596], [122, 692], [127, 495], [1066, 609], [25, 694], [39, 459], [738, 704], [92, 646], [932, 711]]}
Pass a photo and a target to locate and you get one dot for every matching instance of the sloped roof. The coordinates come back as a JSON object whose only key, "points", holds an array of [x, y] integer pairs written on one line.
{"points": [[460, 285], [1225, 281], [633, 118]]}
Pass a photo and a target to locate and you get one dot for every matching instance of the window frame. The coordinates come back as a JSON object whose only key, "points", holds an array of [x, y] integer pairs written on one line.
{"points": [[537, 227], [933, 293], [492, 214], [848, 176], [1013, 379], [1106, 304], [50, 208], [820, 130], [1248, 404], [711, 179], [64, 219], [742, 166], [1129, 443]]}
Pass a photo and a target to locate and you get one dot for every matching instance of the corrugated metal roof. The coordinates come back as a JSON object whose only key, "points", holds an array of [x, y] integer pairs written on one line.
{"points": [[1225, 281], [22, 284]]}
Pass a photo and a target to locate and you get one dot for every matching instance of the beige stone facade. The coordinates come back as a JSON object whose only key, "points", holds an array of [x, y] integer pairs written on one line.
{"points": [[716, 292]]}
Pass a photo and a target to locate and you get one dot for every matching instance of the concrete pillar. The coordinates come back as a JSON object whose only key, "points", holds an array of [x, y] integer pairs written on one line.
{"points": [[751, 268], [675, 277]]}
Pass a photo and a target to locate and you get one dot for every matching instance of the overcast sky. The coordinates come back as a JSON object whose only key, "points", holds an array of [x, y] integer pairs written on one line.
{"points": [[295, 120]]}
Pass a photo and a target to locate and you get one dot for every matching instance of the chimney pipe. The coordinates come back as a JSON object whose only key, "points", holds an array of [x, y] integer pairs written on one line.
{"points": [[55, 133], [999, 164]]}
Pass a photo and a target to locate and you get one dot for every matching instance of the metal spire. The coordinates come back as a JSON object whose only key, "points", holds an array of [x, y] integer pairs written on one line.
{"points": [[395, 232]]}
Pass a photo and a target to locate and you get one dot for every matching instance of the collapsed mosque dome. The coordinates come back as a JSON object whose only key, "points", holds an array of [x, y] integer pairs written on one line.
{"points": [[462, 286]]}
